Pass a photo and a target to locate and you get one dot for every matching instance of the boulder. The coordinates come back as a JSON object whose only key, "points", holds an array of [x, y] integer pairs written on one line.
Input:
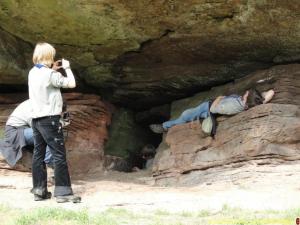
{"points": [[88, 131], [267, 134]]}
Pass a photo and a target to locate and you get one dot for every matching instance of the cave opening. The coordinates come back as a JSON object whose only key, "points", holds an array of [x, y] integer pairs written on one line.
{"points": [[132, 144], [144, 159]]}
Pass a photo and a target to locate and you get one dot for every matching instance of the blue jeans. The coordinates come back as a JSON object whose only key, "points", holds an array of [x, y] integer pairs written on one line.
{"points": [[201, 111], [28, 134]]}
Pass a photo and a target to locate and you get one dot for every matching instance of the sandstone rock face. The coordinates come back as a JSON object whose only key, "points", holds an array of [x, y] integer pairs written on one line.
{"points": [[85, 136], [87, 133], [265, 134], [142, 56]]}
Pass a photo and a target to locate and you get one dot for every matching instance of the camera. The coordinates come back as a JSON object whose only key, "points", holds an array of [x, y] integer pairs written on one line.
{"points": [[59, 63], [66, 116]]}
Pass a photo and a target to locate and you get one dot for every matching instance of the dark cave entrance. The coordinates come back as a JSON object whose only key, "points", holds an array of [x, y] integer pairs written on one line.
{"points": [[144, 159], [138, 156]]}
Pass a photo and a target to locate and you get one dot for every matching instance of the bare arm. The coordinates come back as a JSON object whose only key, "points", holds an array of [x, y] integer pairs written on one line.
{"points": [[245, 98], [268, 95], [216, 102]]}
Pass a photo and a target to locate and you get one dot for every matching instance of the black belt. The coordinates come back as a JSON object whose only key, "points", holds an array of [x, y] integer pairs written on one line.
{"points": [[46, 117]]}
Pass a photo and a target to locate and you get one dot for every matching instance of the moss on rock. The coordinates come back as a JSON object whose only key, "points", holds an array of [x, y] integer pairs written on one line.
{"points": [[100, 75], [162, 52]]}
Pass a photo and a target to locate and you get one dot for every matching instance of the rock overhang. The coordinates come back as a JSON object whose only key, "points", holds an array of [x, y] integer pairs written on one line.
{"points": [[141, 56]]}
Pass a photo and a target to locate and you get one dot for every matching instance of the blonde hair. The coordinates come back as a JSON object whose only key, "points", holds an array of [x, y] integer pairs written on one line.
{"points": [[44, 53]]}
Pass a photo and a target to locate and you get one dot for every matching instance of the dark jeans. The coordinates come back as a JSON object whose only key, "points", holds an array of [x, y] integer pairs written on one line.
{"points": [[48, 131]]}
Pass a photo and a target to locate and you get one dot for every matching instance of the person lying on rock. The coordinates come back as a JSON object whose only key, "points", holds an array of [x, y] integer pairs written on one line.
{"points": [[222, 105], [19, 135]]}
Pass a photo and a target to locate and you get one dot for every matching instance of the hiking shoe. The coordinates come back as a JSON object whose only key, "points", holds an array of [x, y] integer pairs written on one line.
{"points": [[157, 128], [48, 195], [68, 198]]}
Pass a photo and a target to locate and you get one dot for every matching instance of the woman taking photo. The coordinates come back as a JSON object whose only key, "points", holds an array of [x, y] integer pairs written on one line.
{"points": [[44, 83]]}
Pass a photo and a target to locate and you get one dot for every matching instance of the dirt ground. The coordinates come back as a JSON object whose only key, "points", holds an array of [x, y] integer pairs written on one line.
{"points": [[278, 189]]}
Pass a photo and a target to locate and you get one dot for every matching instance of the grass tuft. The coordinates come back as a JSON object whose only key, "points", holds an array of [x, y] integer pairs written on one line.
{"points": [[115, 216]]}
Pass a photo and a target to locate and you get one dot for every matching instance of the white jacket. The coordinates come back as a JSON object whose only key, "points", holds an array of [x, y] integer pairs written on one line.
{"points": [[21, 116], [44, 90]]}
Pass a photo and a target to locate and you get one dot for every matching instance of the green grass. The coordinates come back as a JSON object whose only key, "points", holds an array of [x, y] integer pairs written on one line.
{"points": [[226, 216], [160, 212]]}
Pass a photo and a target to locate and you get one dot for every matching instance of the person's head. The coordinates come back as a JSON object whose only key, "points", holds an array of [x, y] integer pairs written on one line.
{"points": [[148, 152], [254, 98], [44, 53]]}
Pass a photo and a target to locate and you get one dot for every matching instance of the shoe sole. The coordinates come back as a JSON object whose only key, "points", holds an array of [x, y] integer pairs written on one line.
{"points": [[68, 199], [40, 198], [157, 129]]}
